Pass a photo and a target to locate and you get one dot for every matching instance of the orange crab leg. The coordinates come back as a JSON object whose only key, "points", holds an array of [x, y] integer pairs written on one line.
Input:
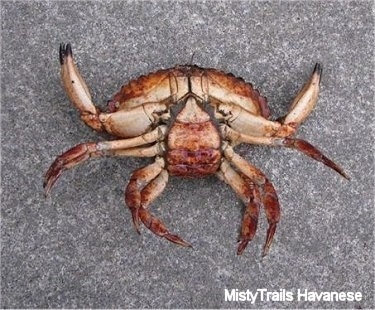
{"points": [[250, 217], [139, 179], [268, 192], [249, 196], [272, 209], [84, 151], [298, 144], [311, 151], [69, 159], [145, 185]]}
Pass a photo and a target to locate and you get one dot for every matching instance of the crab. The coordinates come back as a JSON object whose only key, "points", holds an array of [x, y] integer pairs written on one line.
{"points": [[189, 119]]}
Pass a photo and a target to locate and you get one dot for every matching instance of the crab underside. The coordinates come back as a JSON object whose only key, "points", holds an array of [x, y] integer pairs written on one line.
{"points": [[189, 119]]}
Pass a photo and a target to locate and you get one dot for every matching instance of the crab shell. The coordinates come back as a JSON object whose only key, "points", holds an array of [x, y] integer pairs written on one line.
{"points": [[194, 140], [189, 119]]}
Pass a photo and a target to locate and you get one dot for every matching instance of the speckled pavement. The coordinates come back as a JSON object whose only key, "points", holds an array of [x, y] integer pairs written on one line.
{"points": [[77, 248]]}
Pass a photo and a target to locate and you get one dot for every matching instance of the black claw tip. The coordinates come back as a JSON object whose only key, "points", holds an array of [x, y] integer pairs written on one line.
{"points": [[65, 50], [61, 53], [68, 50], [318, 69]]}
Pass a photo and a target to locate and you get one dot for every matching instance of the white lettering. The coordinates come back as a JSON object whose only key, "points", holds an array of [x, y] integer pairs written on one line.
{"points": [[263, 294], [289, 296], [230, 296], [241, 296], [329, 296], [301, 296], [236, 295], [358, 296], [262, 291], [305, 295], [253, 296], [350, 296]]}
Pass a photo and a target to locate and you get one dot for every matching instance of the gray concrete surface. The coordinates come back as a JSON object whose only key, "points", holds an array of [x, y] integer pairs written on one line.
{"points": [[77, 248]]}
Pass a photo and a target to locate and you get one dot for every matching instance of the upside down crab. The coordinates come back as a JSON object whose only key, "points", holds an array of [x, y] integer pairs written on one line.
{"points": [[190, 119]]}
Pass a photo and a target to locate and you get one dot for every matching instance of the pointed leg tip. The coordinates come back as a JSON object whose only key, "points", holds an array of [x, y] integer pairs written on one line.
{"points": [[185, 244], [331, 164], [239, 252], [136, 221], [45, 194], [345, 175], [242, 246], [266, 247], [46, 191], [178, 240], [50, 178], [137, 228], [270, 234], [311, 151], [265, 252], [47, 185]]}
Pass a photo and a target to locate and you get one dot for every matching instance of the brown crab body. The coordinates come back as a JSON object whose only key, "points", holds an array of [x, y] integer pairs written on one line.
{"points": [[189, 119], [193, 143]]}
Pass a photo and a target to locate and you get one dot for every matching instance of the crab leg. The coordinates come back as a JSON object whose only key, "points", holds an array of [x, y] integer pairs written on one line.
{"points": [[297, 144], [268, 194], [249, 194], [77, 89], [250, 217], [84, 151], [305, 100], [123, 123], [139, 179], [145, 185], [246, 122]]}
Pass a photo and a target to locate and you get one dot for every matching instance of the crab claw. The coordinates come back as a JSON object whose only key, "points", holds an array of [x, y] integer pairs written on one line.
{"points": [[64, 52], [306, 99], [76, 88]]}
